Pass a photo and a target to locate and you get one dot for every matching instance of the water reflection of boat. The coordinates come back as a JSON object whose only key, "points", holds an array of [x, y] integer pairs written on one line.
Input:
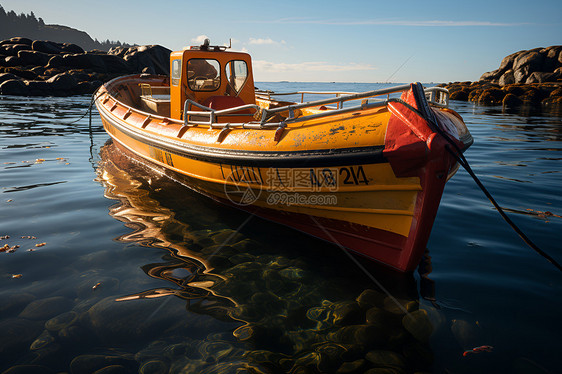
{"points": [[292, 317], [368, 177]]}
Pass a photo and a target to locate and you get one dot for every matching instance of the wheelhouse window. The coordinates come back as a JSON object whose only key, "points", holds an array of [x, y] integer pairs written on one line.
{"points": [[203, 74], [236, 74], [176, 72]]}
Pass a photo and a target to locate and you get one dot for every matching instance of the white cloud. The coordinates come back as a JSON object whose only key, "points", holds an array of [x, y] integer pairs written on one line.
{"points": [[275, 67], [261, 41], [200, 39]]}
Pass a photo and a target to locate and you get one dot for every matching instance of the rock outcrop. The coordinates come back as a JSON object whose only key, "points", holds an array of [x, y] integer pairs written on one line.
{"points": [[44, 68], [525, 80]]}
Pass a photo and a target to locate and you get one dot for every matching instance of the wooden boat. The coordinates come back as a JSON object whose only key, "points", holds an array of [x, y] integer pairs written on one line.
{"points": [[363, 170]]}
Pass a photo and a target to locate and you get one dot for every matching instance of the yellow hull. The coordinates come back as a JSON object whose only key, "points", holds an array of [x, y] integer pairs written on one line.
{"points": [[328, 176]]}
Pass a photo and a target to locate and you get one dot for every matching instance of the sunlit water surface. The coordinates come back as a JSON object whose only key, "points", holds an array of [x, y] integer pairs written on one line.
{"points": [[109, 265]]}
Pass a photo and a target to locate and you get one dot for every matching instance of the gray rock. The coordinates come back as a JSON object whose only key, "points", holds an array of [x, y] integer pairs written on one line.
{"points": [[13, 49], [33, 58], [529, 62], [45, 46], [11, 61], [507, 78], [43, 309], [20, 40], [38, 88], [62, 82]]}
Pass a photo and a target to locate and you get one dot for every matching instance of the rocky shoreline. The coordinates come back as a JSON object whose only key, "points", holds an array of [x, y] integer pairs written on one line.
{"points": [[44, 68], [528, 80]]}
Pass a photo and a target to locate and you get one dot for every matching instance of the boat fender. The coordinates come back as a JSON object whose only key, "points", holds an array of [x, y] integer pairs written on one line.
{"points": [[279, 132]]}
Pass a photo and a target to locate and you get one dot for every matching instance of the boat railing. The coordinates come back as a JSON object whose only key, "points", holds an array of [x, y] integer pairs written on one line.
{"points": [[438, 96], [435, 95], [211, 115]]}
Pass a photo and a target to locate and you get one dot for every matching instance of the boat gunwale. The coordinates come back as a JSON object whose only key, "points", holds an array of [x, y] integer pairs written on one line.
{"points": [[308, 158], [265, 112]]}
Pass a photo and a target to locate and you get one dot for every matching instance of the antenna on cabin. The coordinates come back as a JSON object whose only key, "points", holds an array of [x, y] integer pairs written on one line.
{"points": [[229, 43]]}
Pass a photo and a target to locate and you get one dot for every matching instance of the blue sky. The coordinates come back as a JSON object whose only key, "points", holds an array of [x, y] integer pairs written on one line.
{"points": [[341, 41]]}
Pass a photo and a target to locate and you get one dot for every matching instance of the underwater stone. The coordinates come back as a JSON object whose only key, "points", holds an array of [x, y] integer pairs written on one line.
{"points": [[293, 273], [383, 371], [28, 369], [215, 351], [330, 356], [42, 341], [13, 303], [417, 323], [61, 321], [154, 367], [388, 359], [186, 365], [17, 334], [357, 366], [397, 306], [246, 245], [322, 315], [370, 298], [46, 308], [242, 257], [378, 316], [418, 355], [467, 334], [112, 369], [246, 271], [73, 334], [348, 313], [308, 359], [90, 363], [367, 335], [121, 321], [227, 236]]}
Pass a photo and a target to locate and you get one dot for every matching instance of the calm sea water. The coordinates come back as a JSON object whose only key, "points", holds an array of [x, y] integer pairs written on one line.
{"points": [[114, 267]]}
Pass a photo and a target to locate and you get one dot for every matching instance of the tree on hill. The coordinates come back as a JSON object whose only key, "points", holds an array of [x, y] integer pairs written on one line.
{"points": [[29, 26]]}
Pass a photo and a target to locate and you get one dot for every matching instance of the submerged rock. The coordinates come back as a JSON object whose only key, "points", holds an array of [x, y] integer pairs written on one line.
{"points": [[92, 363], [28, 369], [43, 309], [417, 323], [42, 341], [17, 334], [386, 359]]}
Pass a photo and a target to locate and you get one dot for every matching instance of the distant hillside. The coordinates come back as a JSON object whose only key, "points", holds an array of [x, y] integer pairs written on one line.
{"points": [[28, 26]]}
